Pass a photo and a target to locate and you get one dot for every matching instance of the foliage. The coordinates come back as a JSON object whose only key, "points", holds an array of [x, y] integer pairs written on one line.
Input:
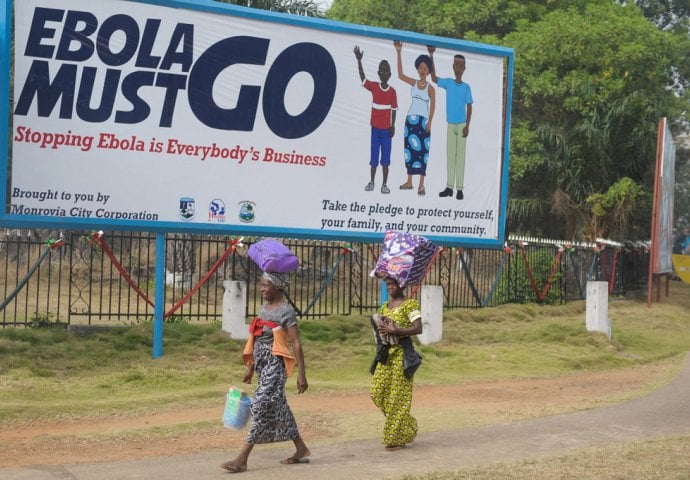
{"points": [[570, 62], [681, 208], [471, 19], [42, 320], [175, 319], [593, 92], [612, 211], [525, 209], [666, 14], [599, 147], [526, 151], [308, 8], [515, 281]]}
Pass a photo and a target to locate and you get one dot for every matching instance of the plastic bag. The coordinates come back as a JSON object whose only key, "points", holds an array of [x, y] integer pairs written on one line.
{"points": [[237, 409], [270, 255], [404, 257]]}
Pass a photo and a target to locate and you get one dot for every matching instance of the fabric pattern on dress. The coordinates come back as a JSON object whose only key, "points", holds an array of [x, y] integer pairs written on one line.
{"points": [[391, 390], [272, 419], [417, 142]]}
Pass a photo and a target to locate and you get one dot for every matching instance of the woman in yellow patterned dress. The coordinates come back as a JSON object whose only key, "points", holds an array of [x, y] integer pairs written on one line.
{"points": [[395, 364]]}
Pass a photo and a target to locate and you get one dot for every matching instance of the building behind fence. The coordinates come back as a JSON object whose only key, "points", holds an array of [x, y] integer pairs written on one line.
{"points": [[82, 281]]}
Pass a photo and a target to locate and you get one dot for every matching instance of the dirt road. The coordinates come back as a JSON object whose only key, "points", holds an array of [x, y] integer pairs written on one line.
{"points": [[71, 451]]}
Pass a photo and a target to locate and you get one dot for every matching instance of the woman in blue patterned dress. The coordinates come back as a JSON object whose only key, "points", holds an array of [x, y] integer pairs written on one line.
{"points": [[267, 354], [418, 119], [394, 366]]}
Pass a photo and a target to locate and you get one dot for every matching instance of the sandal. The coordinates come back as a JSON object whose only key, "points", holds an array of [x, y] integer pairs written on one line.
{"points": [[301, 457], [293, 460], [405, 186], [421, 191], [232, 468]]}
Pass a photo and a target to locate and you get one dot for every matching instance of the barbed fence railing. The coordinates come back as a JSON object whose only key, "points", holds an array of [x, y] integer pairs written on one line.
{"points": [[76, 278]]}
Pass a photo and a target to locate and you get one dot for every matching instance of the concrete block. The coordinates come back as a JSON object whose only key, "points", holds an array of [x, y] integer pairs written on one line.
{"points": [[597, 313], [432, 314], [234, 309]]}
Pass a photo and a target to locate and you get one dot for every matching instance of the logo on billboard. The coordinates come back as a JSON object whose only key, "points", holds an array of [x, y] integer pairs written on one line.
{"points": [[247, 211], [216, 211], [186, 208]]}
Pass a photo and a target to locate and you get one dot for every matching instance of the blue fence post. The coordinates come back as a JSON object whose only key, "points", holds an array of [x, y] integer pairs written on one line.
{"points": [[384, 292], [159, 309]]}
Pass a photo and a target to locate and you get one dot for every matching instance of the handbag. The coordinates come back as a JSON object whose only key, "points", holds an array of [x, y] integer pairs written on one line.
{"points": [[237, 409], [382, 339]]}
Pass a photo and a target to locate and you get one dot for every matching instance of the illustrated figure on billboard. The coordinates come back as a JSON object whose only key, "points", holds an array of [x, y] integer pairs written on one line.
{"points": [[418, 119], [383, 107], [458, 115]]}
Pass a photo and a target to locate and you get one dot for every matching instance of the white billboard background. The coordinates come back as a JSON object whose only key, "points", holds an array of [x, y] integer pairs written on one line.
{"points": [[328, 200]]}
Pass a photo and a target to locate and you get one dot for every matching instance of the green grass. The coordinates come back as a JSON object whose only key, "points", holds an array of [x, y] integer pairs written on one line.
{"points": [[50, 373]]}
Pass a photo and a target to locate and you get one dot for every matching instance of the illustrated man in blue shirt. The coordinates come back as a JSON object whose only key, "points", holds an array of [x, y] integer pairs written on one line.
{"points": [[458, 115]]}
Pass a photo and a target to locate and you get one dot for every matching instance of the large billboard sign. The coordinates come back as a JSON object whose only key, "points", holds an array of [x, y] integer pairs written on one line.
{"points": [[664, 189], [197, 116]]}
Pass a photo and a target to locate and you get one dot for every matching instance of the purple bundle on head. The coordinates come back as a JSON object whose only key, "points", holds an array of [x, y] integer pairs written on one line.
{"points": [[272, 256], [404, 258]]}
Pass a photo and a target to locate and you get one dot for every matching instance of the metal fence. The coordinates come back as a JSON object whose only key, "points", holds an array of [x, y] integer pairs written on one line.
{"points": [[81, 281]]}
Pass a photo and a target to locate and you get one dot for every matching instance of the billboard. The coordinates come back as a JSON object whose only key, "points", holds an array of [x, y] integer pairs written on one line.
{"points": [[662, 214], [196, 116]]}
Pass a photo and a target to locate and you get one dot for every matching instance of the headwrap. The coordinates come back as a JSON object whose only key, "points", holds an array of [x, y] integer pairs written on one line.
{"points": [[280, 280]]}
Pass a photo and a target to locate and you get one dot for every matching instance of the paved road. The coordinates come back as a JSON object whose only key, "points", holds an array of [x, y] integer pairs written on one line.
{"points": [[664, 412]]}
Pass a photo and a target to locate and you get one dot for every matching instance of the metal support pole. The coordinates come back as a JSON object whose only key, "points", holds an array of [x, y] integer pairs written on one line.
{"points": [[159, 309], [384, 292]]}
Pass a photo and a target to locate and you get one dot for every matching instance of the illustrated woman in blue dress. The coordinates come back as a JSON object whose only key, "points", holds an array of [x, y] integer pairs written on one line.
{"points": [[418, 120]]}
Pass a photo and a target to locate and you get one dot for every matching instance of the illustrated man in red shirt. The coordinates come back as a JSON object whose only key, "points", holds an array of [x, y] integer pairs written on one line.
{"points": [[383, 106]]}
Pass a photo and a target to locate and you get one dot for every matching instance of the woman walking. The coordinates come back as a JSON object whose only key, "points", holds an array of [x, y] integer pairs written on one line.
{"points": [[267, 354], [395, 364]]}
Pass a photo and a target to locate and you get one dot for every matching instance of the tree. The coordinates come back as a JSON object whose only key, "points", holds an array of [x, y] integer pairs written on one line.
{"points": [[308, 8], [613, 210], [666, 14], [590, 86], [681, 209], [435, 17], [473, 19]]}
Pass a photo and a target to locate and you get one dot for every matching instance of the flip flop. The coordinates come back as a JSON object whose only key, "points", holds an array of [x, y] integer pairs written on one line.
{"points": [[293, 460], [406, 187], [232, 468]]}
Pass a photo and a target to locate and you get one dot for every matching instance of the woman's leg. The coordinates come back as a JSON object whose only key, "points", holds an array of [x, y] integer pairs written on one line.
{"points": [[301, 454], [272, 419], [400, 427], [239, 463]]}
